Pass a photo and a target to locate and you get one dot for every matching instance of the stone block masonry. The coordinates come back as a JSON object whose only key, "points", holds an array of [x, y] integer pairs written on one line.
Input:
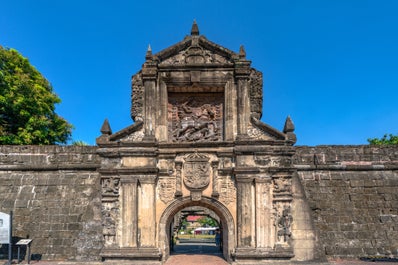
{"points": [[54, 193], [352, 193]]}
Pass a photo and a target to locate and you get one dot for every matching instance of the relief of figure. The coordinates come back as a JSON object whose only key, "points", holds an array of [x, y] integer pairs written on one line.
{"points": [[196, 123], [110, 186], [284, 223], [109, 229]]}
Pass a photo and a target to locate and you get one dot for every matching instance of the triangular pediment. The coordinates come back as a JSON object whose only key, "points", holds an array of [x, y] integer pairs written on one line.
{"points": [[196, 50]]}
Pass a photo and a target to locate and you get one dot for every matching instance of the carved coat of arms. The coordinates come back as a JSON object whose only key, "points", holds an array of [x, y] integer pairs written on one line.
{"points": [[196, 171]]}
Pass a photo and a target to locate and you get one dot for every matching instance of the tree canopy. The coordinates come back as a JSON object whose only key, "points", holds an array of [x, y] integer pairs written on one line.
{"points": [[387, 139], [27, 104]]}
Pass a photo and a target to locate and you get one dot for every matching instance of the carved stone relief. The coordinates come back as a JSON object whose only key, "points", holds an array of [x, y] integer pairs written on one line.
{"points": [[227, 190], [266, 160], [137, 97], [110, 208], [110, 186], [196, 171], [167, 188], [282, 185], [256, 133], [284, 221], [256, 93], [195, 117], [195, 54], [134, 137], [110, 213]]}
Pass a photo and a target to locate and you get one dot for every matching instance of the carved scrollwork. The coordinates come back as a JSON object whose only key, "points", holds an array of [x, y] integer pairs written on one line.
{"points": [[195, 54]]}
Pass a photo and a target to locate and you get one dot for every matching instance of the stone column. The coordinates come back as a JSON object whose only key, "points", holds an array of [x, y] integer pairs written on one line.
{"points": [[147, 211], [128, 227], [245, 213], [263, 212]]}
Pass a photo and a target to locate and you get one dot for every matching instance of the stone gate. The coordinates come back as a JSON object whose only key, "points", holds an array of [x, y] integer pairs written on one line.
{"points": [[198, 140]]}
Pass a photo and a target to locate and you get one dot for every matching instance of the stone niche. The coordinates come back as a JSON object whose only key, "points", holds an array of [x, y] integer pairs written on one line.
{"points": [[197, 141]]}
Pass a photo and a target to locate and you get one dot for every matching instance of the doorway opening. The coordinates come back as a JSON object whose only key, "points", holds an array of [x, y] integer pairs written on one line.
{"points": [[192, 227], [196, 230]]}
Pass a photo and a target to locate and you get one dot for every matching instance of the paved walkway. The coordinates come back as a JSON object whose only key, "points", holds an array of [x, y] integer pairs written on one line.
{"points": [[203, 259], [198, 252]]}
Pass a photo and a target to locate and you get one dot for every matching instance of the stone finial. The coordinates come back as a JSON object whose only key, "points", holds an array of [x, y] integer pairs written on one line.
{"points": [[242, 52], [289, 130], [195, 29], [148, 55], [106, 128], [289, 126]]}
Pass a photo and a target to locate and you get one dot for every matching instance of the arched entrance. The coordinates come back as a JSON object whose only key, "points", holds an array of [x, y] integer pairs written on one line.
{"points": [[226, 222]]}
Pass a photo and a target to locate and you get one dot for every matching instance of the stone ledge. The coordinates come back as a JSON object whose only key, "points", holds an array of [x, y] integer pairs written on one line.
{"points": [[128, 253], [49, 167], [262, 253]]}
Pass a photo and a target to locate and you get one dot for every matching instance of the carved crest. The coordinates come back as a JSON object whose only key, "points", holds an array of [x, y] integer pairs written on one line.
{"points": [[196, 171], [166, 189]]}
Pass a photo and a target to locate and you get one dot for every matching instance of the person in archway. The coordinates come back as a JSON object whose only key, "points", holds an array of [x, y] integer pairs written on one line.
{"points": [[218, 238]]}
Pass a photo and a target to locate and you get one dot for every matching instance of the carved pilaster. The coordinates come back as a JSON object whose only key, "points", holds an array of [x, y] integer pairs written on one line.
{"points": [[129, 228], [242, 74], [263, 211], [149, 77], [215, 192], [147, 211], [244, 211], [178, 166]]}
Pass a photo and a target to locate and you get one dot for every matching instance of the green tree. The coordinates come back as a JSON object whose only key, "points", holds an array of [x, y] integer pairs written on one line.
{"points": [[27, 104], [387, 139], [207, 221]]}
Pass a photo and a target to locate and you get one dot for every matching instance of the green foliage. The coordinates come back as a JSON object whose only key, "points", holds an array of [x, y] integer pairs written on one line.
{"points": [[385, 140], [27, 104], [79, 143], [207, 221]]}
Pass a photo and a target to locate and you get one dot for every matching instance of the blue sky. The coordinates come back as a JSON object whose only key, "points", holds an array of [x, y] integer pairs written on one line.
{"points": [[332, 65]]}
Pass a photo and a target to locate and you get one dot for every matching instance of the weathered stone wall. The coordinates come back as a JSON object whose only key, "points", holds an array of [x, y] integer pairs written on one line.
{"points": [[353, 195], [54, 194]]}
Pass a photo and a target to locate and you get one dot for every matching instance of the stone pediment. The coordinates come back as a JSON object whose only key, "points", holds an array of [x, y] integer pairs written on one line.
{"points": [[196, 50]]}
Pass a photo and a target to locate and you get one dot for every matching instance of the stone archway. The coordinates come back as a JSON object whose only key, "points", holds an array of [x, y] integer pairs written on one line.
{"points": [[226, 220]]}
